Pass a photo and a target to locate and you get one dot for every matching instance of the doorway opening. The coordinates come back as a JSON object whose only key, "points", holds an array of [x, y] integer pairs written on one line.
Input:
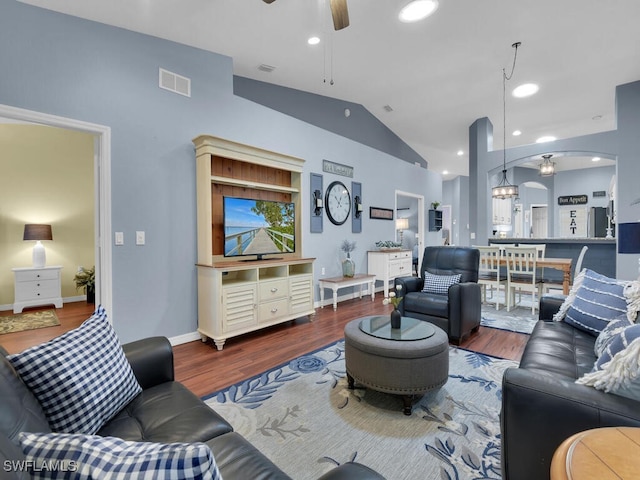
{"points": [[102, 189]]}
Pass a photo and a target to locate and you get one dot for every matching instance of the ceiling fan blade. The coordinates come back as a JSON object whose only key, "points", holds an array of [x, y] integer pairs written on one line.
{"points": [[340, 14], [268, 1]]}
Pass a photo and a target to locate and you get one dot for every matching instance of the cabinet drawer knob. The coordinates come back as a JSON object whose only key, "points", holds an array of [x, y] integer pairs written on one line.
{"points": [[274, 289], [37, 284], [274, 310]]}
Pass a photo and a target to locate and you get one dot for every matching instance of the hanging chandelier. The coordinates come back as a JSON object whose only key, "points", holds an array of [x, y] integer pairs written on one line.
{"points": [[504, 189], [547, 167]]}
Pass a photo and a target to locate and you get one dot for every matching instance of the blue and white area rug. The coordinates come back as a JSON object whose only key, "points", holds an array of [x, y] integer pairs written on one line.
{"points": [[305, 419], [519, 319]]}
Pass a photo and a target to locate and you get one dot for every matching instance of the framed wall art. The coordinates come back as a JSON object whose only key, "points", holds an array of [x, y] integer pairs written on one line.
{"points": [[380, 213]]}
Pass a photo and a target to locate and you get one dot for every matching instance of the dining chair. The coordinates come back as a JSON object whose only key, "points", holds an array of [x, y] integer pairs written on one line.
{"points": [[490, 275], [522, 275], [558, 284]]}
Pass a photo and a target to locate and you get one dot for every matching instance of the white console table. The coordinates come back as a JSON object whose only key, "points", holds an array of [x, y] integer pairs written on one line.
{"points": [[336, 283], [37, 286], [388, 265]]}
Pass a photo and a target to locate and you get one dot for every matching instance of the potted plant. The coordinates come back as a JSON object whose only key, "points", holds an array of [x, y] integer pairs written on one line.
{"points": [[348, 265], [435, 205], [86, 278]]}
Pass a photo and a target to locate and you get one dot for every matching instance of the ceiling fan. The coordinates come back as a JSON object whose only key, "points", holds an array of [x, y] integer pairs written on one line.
{"points": [[339, 12]]}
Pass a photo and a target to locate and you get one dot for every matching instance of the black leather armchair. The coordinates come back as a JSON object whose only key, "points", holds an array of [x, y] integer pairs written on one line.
{"points": [[458, 312]]}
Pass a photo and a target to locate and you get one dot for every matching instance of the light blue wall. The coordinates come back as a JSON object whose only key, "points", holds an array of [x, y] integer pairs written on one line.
{"points": [[78, 69]]}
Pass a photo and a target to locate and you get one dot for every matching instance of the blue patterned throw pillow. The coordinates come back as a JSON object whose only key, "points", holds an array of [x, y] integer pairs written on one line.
{"points": [[617, 369], [439, 283], [81, 378], [89, 457], [598, 300], [613, 328]]}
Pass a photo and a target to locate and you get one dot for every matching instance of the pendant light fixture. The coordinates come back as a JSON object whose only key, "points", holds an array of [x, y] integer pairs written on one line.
{"points": [[504, 189], [547, 167]]}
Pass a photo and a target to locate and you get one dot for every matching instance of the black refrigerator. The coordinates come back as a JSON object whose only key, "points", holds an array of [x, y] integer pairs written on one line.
{"points": [[598, 222]]}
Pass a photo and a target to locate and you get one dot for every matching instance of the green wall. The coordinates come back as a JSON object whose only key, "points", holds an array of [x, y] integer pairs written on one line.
{"points": [[47, 177]]}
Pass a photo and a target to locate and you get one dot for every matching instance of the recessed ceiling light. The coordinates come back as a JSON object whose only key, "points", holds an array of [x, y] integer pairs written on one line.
{"points": [[445, 172], [546, 138], [417, 10], [516, 133], [460, 153], [595, 159], [525, 90], [313, 40]]}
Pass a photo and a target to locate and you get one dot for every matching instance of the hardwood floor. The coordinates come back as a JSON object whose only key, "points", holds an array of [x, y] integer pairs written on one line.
{"points": [[204, 370]]}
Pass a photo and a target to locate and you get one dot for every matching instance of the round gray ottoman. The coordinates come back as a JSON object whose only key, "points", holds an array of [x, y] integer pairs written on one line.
{"points": [[405, 368]]}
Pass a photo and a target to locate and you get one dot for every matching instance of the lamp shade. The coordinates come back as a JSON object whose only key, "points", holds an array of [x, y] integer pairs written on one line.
{"points": [[402, 223], [629, 237], [35, 231]]}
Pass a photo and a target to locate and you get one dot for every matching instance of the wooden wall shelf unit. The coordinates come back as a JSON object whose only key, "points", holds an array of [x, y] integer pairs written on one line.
{"points": [[235, 296]]}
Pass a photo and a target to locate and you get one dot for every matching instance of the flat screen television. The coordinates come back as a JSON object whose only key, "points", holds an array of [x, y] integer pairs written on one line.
{"points": [[258, 227]]}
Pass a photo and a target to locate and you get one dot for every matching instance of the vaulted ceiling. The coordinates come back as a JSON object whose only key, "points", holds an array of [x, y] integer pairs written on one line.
{"points": [[427, 81]]}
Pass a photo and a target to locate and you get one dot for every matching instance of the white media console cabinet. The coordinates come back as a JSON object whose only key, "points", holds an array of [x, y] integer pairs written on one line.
{"points": [[240, 297]]}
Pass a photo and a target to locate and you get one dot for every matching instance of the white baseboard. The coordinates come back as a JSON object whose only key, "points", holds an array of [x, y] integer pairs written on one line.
{"points": [[185, 338]]}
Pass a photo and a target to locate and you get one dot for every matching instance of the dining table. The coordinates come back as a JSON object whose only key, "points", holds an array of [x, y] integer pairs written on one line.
{"points": [[562, 264]]}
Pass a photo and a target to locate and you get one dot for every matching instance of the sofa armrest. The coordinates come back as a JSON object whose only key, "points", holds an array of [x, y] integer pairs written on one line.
{"points": [[549, 306], [465, 309], [409, 284], [151, 360], [539, 411], [352, 471]]}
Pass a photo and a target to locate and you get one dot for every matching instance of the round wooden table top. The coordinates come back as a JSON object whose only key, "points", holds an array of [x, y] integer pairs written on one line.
{"points": [[598, 454]]}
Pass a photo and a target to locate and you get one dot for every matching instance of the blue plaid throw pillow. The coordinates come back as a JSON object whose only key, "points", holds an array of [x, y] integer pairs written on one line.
{"points": [[91, 457], [439, 283], [81, 378]]}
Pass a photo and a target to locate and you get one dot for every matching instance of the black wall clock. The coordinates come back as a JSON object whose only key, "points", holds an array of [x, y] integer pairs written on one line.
{"points": [[337, 203]]}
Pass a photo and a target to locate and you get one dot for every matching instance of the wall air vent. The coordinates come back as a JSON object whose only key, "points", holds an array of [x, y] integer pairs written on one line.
{"points": [[388, 108], [266, 68], [174, 83]]}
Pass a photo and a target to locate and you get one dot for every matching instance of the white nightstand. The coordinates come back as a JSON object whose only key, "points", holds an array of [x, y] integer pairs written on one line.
{"points": [[37, 286]]}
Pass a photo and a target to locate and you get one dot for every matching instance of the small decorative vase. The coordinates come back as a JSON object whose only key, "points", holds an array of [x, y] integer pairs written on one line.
{"points": [[91, 295], [348, 267], [395, 318]]}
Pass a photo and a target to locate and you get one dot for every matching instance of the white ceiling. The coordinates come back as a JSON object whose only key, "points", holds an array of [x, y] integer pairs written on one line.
{"points": [[438, 75]]}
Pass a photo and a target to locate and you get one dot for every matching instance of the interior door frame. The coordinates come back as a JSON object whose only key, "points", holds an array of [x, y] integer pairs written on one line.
{"points": [[421, 219], [102, 190]]}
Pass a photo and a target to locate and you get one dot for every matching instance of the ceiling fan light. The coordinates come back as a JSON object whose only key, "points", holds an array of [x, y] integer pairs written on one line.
{"points": [[417, 10]]}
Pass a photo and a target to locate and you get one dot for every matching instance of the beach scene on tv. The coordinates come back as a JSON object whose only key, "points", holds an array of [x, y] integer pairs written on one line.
{"points": [[258, 227]]}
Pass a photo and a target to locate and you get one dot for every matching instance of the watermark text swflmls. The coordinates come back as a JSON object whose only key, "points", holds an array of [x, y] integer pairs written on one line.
{"points": [[40, 466]]}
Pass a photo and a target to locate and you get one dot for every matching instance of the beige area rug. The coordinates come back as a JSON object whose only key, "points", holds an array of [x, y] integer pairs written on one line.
{"points": [[28, 321], [305, 419]]}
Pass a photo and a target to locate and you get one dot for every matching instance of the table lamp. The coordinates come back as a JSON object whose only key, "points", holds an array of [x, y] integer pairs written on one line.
{"points": [[402, 224], [38, 232], [629, 239]]}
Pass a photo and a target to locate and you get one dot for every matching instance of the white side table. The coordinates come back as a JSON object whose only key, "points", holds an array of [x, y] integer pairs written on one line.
{"points": [[335, 283], [37, 286]]}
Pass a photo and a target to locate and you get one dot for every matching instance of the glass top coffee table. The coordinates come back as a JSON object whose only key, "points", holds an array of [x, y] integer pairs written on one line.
{"points": [[410, 328]]}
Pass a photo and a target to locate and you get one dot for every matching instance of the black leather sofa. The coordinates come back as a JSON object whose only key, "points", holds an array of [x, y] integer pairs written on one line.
{"points": [[541, 404], [165, 411], [458, 313]]}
